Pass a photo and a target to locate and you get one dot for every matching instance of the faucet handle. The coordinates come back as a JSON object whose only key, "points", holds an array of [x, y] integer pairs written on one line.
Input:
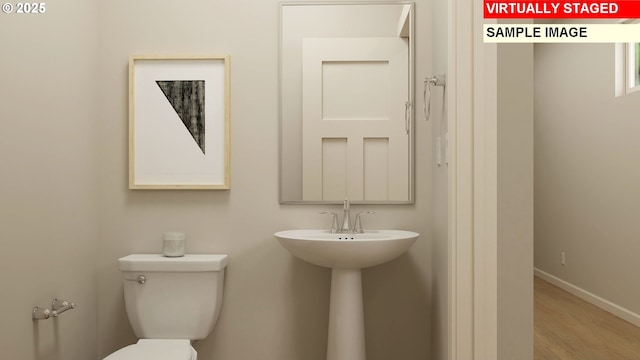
{"points": [[357, 226], [334, 222]]}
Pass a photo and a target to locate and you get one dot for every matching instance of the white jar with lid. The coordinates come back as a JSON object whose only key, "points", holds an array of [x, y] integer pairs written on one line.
{"points": [[173, 244]]}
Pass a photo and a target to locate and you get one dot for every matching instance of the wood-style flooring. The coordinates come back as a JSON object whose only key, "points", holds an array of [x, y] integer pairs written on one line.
{"points": [[569, 328]]}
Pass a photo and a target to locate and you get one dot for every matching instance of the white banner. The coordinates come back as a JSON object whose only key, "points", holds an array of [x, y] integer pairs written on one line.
{"points": [[561, 33]]}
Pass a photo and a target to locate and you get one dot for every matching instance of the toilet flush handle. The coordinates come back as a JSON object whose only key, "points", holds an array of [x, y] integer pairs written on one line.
{"points": [[141, 279]]}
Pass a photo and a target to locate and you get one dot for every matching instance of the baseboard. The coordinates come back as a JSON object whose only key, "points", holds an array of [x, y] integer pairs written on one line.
{"points": [[596, 300]]}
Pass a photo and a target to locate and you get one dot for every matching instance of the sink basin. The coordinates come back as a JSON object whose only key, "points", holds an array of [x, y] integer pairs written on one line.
{"points": [[346, 251], [346, 255]]}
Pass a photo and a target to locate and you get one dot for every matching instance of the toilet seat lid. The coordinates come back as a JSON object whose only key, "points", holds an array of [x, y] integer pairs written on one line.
{"points": [[161, 349]]}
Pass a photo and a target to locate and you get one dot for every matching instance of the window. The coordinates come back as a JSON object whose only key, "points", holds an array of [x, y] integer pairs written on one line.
{"points": [[631, 67], [633, 59], [627, 66]]}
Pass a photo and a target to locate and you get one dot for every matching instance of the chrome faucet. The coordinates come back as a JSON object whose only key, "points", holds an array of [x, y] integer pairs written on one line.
{"points": [[334, 221], [346, 227], [346, 218], [357, 226]]}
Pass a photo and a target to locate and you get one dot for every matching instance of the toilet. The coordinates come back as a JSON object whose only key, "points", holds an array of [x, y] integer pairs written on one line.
{"points": [[170, 302]]}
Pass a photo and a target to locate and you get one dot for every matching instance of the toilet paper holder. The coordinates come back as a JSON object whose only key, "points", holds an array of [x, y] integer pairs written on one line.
{"points": [[57, 308]]}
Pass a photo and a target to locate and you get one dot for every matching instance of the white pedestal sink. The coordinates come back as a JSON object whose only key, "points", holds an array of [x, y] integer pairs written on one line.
{"points": [[346, 255]]}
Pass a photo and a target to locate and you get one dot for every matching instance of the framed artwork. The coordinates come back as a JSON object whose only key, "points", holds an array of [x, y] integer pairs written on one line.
{"points": [[179, 122]]}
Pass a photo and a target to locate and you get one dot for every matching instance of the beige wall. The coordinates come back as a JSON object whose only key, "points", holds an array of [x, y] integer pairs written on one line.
{"points": [[515, 201], [47, 182], [274, 307], [586, 172]]}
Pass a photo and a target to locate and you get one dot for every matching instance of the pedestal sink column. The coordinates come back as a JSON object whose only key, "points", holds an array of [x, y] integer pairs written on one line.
{"points": [[346, 255], [346, 316]]}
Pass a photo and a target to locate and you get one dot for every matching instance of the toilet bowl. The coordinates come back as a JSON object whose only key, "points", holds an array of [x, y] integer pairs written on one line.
{"points": [[170, 301], [156, 350]]}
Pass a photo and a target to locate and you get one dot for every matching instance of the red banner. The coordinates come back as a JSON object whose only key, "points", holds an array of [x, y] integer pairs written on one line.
{"points": [[543, 9]]}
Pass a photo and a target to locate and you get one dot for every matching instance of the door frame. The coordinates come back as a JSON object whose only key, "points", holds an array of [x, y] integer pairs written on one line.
{"points": [[472, 181]]}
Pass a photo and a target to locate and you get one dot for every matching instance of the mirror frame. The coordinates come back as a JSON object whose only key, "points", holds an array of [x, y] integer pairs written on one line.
{"points": [[411, 149]]}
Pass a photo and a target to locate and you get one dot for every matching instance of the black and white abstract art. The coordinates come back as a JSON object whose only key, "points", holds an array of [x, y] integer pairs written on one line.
{"points": [[179, 122], [187, 99]]}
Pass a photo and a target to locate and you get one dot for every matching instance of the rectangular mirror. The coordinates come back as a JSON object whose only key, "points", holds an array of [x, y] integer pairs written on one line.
{"points": [[346, 96]]}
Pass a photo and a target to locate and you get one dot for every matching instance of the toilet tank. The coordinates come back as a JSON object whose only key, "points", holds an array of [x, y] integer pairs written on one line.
{"points": [[173, 297]]}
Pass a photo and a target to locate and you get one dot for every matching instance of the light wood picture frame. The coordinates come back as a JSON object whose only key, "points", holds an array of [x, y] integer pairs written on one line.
{"points": [[179, 122]]}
